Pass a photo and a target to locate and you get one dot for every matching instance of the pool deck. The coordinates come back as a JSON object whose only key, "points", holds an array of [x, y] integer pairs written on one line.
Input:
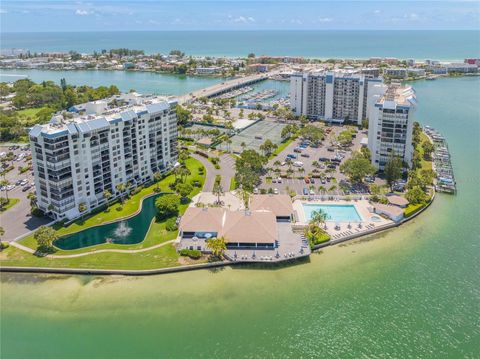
{"points": [[338, 230]]}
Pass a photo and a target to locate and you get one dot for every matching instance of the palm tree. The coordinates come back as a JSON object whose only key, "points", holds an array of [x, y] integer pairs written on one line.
{"points": [[157, 176], [318, 217], [121, 188], [217, 191], [4, 183], [217, 246], [107, 195], [33, 199], [2, 233]]}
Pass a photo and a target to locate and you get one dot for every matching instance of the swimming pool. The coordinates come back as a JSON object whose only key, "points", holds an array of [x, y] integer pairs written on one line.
{"points": [[335, 212]]}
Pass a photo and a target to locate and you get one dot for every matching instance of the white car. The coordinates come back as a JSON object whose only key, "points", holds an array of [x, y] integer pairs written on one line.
{"points": [[279, 180], [275, 190], [298, 164], [312, 192], [255, 191]]}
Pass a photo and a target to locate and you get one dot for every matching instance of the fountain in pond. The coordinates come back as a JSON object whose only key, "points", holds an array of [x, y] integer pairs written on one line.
{"points": [[122, 230]]}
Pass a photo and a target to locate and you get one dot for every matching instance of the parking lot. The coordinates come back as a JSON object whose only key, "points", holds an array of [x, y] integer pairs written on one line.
{"points": [[17, 220], [316, 164]]}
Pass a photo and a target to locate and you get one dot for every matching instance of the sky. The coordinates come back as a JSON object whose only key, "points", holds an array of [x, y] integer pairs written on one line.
{"points": [[131, 15]]}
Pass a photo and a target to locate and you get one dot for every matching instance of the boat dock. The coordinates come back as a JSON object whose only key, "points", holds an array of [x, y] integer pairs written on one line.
{"points": [[442, 165]]}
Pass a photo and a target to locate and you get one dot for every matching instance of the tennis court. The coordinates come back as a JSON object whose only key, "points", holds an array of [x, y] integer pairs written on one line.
{"points": [[256, 135]]}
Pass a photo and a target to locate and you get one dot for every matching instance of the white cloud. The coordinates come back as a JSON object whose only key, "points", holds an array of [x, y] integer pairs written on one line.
{"points": [[377, 12], [3, 11], [242, 19], [81, 12], [325, 19], [296, 21]]}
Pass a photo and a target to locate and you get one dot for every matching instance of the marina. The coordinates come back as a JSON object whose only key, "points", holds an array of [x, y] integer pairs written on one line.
{"points": [[442, 165]]}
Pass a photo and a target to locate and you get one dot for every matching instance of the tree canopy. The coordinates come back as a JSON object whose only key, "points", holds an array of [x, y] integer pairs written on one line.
{"points": [[249, 167], [393, 169], [45, 236], [357, 167], [167, 205]]}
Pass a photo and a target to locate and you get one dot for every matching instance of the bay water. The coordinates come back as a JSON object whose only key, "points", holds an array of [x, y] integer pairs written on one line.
{"points": [[410, 292]]}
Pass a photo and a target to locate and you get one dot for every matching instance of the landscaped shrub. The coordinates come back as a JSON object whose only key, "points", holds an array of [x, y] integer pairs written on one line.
{"points": [[192, 253], [412, 209], [203, 154], [136, 190], [171, 224]]}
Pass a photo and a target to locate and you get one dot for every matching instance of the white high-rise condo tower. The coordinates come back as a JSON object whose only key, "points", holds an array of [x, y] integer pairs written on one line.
{"points": [[391, 126], [340, 96], [77, 157]]}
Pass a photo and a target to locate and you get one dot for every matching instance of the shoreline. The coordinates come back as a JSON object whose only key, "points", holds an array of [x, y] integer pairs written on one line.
{"points": [[184, 268]]}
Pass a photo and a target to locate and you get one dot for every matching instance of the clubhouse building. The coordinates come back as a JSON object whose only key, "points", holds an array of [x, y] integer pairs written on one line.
{"points": [[261, 233]]}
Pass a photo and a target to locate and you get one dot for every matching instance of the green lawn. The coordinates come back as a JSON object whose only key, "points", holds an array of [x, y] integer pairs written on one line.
{"points": [[427, 165], [157, 233], [30, 112], [11, 202], [162, 257], [233, 184]]}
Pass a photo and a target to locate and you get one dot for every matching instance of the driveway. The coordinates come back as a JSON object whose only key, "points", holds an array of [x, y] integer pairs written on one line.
{"points": [[17, 221], [226, 171]]}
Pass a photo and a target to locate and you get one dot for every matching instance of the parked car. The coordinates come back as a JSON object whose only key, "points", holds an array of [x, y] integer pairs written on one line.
{"points": [[323, 159], [297, 150], [279, 180], [312, 180], [292, 156], [305, 155], [312, 192], [298, 164], [305, 191], [26, 188], [307, 180], [255, 190], [275, 190], [330, 149]]}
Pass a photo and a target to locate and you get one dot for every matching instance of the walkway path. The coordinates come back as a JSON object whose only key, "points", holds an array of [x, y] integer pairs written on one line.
{"points": [[53, 256], [226, 171]]}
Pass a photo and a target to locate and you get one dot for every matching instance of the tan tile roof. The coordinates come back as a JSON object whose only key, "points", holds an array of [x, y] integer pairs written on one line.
{"points": [[254, 227], [279, 204], [235, 226], [397, 200], [393, 210], [197, 219]]}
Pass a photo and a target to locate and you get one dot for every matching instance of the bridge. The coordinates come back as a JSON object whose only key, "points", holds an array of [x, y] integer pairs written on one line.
{"points": [[222, 88]]}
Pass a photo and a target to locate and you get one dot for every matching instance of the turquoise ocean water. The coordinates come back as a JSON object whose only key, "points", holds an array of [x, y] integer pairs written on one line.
{"points": [[443, 45]]}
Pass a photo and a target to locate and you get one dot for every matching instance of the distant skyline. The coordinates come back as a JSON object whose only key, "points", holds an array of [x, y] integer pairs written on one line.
{"points": [[55, 16]]}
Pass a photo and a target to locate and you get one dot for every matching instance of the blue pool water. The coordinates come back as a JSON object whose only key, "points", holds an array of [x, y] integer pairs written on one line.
{"points": [[335, 212]]}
